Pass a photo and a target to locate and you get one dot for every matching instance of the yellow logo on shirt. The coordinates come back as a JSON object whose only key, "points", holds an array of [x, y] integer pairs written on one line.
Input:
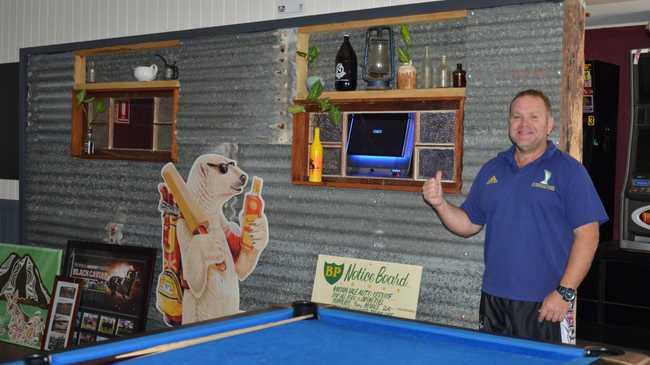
{"points": [[492, 180]]}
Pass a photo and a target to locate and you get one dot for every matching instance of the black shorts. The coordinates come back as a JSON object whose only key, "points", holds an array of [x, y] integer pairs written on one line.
{"points": [[516, 318]]}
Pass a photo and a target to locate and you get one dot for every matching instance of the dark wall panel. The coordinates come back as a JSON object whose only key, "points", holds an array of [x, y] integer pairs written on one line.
{"points": [[9, 121]]}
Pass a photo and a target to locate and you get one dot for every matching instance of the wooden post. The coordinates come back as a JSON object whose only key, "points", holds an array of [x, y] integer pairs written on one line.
{"points": [[302, 45], [572, 78]]}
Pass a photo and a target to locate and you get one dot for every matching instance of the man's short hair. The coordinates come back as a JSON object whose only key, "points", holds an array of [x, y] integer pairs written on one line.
{"points": [[533, 93]]}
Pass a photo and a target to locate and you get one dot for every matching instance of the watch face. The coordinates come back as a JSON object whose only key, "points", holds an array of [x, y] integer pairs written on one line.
{"points": [[570, 295], [567, 294]]}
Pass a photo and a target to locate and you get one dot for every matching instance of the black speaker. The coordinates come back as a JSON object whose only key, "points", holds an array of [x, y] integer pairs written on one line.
{"points": [[332, 161], [431, 160], [438, 127]]}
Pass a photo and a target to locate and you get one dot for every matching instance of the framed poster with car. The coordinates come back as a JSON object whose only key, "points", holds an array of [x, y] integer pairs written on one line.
{"points": [[62, 314], [115, 287]]}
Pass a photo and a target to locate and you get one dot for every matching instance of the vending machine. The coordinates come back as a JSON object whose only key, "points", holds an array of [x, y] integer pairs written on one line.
{"points": [[635, 207], [599, 120]]}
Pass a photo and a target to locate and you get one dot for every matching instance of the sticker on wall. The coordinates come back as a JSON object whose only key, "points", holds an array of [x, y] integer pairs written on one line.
{"points": [[123, 111], [641, 216], [205, 255]]}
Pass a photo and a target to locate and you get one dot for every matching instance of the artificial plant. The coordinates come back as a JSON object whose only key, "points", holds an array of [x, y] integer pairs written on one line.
{"points": [[404, 52], [315, 91], [83, 100]]}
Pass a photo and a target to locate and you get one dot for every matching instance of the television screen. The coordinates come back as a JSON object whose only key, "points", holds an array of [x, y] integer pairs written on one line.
{"points": [[377, 134]]}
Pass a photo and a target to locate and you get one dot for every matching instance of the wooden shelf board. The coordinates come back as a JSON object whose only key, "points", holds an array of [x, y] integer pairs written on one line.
{"points": [[129, 47], [129, 85], [129, 154], [409, 19], [413, 94], [369, 183]]}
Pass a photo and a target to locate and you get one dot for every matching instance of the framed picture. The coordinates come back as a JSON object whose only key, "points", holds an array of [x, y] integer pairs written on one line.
{"points": [[61, 316], [115, 287], [27, 276]]}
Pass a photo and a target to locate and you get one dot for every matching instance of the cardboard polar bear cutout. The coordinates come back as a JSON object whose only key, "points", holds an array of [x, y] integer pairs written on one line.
{"points": [[204, 254]]}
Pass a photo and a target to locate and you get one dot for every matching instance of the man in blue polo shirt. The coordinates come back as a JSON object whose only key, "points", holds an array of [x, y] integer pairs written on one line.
{"points": [[541, 214]]}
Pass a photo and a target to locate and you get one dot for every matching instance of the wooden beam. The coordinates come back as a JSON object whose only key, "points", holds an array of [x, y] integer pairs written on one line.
{"points": [[411, 19], [130, 85], [79, 70], [393, 94], [128, 48], [572, 78], [302, 45]]}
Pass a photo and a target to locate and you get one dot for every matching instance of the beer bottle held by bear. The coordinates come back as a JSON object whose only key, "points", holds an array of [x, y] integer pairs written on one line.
{"points": [[316, 158], [253, 207]]}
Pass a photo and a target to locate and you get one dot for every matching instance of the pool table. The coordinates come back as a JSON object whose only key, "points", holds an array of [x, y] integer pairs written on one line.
{"points": [[334, 336]]}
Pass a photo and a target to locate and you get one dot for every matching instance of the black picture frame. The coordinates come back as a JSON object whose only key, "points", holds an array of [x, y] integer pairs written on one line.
{"points": [[116, 285]]}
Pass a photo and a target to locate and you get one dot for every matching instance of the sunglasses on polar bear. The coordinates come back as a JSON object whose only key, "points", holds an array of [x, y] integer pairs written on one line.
{"points": [[223, 167]]}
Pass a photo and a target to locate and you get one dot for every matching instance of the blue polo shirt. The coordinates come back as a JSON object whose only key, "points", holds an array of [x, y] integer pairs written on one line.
{"points": [[530, 214]]}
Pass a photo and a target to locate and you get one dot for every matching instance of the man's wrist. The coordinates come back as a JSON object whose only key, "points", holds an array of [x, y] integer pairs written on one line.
{"points": [[439, 205], [568, 294]]}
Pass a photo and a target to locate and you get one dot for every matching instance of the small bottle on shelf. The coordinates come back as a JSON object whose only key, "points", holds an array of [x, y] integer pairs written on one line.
{"points": [[443, 73], [316, 158], [428, 69], [459, 76], [91, 72], [89, 142]]}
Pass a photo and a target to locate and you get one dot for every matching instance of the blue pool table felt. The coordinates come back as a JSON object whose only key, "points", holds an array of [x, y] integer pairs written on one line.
{"points": [[337, 337]]}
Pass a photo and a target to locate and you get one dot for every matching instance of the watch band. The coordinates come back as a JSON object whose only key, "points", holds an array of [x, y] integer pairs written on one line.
{"points": [[567, 294]]}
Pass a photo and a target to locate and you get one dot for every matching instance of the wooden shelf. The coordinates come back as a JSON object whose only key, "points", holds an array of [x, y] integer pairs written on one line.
{"points": [[443, 100], [366, 183], [389, 95], [302, 43], [129, 154], [417, 101], [165, 89], [130, 85]]}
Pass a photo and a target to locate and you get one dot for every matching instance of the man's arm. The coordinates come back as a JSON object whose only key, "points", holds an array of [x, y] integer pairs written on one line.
{"points": [[453, 217], [582, 254]]}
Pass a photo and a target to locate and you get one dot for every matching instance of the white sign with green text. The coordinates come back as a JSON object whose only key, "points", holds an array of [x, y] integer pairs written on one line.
{"points": [[369, 286]]}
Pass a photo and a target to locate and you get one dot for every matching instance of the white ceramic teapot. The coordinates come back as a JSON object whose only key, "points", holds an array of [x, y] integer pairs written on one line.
{"points": [[146, 73]]}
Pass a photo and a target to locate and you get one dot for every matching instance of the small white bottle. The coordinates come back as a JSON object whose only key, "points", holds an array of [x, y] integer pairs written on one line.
{"points": [[428, 69], [443, 72], [91, 72]]}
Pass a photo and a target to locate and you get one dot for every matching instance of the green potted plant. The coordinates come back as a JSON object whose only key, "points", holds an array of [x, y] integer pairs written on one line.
{"points": [[406, 73], [91, 107], [315, 85]]}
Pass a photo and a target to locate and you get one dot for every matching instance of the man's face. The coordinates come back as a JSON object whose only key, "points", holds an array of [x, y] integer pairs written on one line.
{"points": [[530, 124]]}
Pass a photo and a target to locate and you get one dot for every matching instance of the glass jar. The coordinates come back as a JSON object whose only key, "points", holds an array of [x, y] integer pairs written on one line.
{"points": [[406, 76]]}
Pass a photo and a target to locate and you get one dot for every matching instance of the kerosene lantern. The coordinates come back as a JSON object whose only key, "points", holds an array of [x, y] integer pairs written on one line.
{"points": [[378, 68]]}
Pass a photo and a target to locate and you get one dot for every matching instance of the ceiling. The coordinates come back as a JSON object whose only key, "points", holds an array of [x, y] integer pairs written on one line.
{"points": [[617, 13]]}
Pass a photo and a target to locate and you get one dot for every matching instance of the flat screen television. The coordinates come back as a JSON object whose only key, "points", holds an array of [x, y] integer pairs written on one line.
{"points": [[380, 144]]}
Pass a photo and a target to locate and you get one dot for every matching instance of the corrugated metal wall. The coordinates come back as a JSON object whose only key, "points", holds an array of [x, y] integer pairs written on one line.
{"points": [[234, 92], [30, 23]]}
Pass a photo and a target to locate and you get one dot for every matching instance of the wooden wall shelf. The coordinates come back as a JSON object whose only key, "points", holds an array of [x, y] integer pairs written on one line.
{"points": [[388, 95], [422, 102], [168, 89], [130, 85]]}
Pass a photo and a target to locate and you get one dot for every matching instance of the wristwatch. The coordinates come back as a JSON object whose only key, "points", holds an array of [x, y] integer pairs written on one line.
{"points": [[567, 294]]}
